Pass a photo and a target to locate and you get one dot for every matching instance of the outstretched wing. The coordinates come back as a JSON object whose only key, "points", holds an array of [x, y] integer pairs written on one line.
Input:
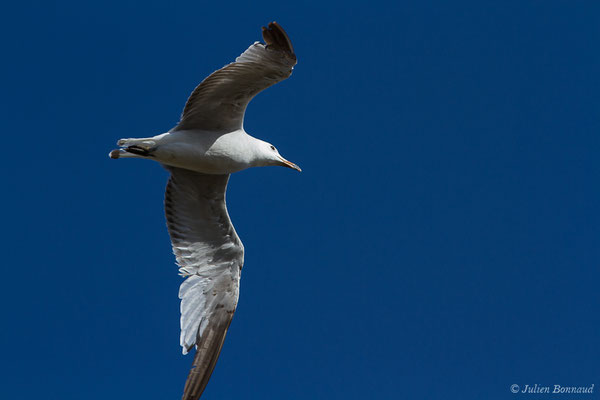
{"points": [[219, 102], [210, 255]]}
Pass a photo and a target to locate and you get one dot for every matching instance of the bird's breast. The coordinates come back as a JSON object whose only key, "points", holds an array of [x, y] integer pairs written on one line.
{"points": [[205, 152]]}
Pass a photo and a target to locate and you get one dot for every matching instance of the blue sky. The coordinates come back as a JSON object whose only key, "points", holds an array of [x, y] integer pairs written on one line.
{"points": [[442, 241]]}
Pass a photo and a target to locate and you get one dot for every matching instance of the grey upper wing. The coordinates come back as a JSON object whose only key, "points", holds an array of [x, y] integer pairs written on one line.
{"points": [[219, 102], [210, 255]]}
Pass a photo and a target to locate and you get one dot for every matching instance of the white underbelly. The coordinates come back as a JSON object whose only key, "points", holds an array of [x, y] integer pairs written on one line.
{"points": [[209, 154]]}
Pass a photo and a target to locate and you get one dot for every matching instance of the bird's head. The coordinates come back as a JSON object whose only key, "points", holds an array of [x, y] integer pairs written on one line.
{"points": [[270, 156]]}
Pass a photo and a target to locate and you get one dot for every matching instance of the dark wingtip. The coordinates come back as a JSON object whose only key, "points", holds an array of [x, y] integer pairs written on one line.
{"points": [[276, 38]]}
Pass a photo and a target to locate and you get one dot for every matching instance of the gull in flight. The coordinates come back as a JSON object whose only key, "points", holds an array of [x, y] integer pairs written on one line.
{"points": [[207, 145]]}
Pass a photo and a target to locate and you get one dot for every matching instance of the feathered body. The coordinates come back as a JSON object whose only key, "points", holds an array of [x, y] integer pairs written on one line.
{"points": [[207, 145]]}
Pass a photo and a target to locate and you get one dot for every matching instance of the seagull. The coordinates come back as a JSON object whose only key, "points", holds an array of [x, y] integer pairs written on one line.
{"points": [[208, 144]]}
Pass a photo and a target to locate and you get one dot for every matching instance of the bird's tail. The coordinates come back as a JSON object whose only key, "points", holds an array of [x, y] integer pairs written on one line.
{"points": [[207, 352], [134, 148]]}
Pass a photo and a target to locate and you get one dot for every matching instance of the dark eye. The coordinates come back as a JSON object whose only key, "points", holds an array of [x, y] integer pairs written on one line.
{"points": [[272, 147]]}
